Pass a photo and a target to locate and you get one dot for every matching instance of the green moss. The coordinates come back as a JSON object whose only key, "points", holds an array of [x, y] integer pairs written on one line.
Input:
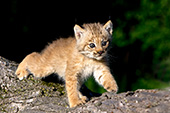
{"points": [[54, 87]]}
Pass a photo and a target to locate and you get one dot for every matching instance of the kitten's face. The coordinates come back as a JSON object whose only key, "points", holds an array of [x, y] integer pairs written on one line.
{"points": [[93, 40], [96, 47]]}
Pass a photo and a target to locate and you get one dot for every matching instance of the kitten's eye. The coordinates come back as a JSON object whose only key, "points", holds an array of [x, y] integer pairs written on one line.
{"points": [[92, 45], [104, 43]]}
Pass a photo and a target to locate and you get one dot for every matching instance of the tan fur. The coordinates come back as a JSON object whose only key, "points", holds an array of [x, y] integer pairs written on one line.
{"points": [[74, 60]]}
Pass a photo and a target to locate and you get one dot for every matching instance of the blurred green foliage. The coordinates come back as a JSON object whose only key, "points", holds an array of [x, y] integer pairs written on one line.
{"points": [[94, 86], [150, 25], [146, 27]]}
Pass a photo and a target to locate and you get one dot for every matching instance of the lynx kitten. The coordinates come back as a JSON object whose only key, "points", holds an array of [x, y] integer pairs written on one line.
{"points": [[74, 59]]}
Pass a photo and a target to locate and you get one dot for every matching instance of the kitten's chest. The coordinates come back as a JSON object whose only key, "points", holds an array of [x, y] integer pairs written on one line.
{"points": [[87, 70]]}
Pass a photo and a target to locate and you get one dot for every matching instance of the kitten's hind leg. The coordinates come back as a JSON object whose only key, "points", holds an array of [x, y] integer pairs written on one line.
{"points": [[29, 61], [21, 71]]}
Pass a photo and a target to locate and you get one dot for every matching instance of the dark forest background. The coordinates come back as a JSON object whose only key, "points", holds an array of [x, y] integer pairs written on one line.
{"points": [[140, 53]]}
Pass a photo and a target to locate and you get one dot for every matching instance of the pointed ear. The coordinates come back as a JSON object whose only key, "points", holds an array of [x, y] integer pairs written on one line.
{"points": [[108, 27], [78, 31]]}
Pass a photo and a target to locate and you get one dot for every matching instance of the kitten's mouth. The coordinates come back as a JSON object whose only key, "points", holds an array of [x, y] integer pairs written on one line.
{"points": [[99, 56]]}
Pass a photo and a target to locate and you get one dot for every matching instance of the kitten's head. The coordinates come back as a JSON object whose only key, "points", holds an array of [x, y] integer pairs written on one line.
{"points": [[93, 39]]}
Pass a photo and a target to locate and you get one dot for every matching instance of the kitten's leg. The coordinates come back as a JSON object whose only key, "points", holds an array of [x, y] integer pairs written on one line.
{"points": [[83, 98], [74, 96], [34, 64], [103, 76], [22, 70]]}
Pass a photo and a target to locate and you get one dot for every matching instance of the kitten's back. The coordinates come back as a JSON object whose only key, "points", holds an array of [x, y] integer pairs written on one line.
{"points": [[58, 53], [59, 48]]}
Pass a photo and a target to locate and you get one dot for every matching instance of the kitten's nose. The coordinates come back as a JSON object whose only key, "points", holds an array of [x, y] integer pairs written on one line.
{"points": [[100, 52]]}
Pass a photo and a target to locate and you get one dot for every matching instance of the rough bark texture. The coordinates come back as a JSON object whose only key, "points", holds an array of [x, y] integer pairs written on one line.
{"points": [[37, 96]]}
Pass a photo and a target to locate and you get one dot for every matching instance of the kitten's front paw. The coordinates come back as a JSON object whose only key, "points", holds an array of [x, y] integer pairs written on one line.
{"points": [[111, 86], [21, 73], [76, 103], [84, 99]]}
